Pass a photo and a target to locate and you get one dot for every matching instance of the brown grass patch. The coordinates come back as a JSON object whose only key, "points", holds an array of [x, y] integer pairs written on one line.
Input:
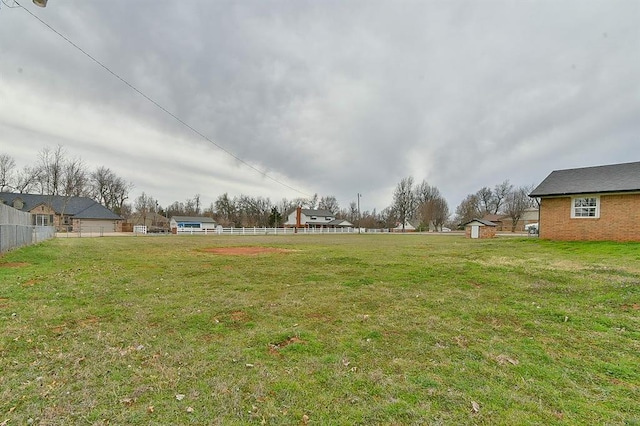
{"points": [[625, 307], [239, 316], [89, 321], [14, 265], [245, 251]]}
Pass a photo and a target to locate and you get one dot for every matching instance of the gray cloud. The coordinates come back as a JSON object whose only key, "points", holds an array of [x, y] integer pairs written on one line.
{"points": [[328, 97]]}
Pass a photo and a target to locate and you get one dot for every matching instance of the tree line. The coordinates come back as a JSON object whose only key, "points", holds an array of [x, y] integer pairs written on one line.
{"points": [[421, 205], [56, 173], [503, 199]]}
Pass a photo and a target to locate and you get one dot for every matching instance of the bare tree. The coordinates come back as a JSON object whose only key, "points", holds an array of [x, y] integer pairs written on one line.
{"points": [[440, 212], [51, 170], [27, 179], [329, 203], [108, 189], [7, 167], [388, 217], [226, 210], [468, 209], [352, 213], [75, 179], [313, 201], [196, 204], [175, 209], [425, 192], [516, 202], [426, 195], [144, 205], [485, 201], [404, 201], [500, 192]]}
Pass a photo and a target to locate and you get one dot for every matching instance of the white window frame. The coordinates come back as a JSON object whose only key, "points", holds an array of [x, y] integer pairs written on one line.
{"points": [[577, 211], [43, 220]]}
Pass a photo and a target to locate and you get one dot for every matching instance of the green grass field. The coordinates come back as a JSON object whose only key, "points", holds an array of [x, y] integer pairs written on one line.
{"points": [[327, 330]]}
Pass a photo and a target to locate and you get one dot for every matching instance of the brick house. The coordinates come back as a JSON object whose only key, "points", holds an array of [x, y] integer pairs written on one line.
{"points": [[479, 228], [505, 223], [73, 214], [599, 203]]}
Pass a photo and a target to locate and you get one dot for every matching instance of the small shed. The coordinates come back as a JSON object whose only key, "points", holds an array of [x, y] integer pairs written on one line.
{"points": [[479, 228]]}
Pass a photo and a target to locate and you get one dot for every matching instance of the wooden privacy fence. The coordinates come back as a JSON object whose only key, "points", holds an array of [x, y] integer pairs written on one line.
{"points": [[16, 229]]}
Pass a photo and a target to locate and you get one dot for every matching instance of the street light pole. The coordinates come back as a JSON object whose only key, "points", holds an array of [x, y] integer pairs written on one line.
{"points": [[359, 195]]}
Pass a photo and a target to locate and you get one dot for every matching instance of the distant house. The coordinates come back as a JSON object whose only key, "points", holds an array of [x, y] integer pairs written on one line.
{"points": [[409, 226], [73, 214], [591, 203], [195, 223], [479, 228], [311, 218], [505, 223], [151, 220]]}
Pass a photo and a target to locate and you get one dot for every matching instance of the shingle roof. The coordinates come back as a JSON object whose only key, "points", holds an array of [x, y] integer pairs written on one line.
{"points": [[339, 222], [313, 212], [78, 207], [590, 180], [201, 219], [482, 221]]}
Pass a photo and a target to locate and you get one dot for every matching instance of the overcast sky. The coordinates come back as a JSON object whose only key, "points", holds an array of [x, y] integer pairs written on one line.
{"points": [[328, 97]]}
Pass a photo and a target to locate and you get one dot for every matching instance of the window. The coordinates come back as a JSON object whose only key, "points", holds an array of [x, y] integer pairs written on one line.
{"points": [[43, 220], [188, 225], [586, 207]]}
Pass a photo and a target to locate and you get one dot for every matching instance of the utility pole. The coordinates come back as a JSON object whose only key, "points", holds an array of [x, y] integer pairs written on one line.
{"points": [[359, 195]]}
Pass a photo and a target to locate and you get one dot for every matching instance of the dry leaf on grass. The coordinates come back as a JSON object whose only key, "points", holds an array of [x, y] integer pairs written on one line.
{"points": [[503, 359], [475, 407], [128, 401], [180, 396]]}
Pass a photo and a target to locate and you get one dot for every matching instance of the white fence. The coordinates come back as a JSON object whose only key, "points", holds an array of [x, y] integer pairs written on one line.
{"points": [[16, 229], [272, 231]]}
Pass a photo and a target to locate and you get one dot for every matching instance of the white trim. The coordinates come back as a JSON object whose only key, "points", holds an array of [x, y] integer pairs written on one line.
{"points": [[596, 207]]}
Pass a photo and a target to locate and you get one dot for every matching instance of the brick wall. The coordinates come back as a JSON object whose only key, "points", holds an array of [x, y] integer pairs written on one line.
{"points": [[619, 220], [485, 231]]}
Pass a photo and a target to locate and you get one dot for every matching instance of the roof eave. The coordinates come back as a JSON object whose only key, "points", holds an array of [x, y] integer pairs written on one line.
{"points": [[565, 194]]}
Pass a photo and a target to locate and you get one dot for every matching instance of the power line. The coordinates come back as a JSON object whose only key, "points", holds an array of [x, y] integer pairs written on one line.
{"points": [[166, 111]]}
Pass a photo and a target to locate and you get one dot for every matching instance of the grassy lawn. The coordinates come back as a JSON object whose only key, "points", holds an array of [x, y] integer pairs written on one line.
{"points": [[326, 330]]}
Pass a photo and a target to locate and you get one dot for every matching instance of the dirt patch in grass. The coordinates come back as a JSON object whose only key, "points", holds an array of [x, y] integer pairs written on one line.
{"points": [[14, 265], [245, 251], [625, 307], [30, 283], [239, 316], [274, 348]]}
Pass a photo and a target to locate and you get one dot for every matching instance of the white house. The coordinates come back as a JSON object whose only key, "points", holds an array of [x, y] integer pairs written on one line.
{"points": [[311, 218], [196, 223]]}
